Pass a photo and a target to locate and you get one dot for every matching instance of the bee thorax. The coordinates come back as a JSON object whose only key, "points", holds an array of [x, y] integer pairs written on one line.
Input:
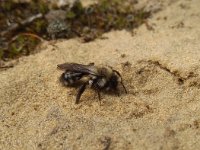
{"points": [[101, 82]]}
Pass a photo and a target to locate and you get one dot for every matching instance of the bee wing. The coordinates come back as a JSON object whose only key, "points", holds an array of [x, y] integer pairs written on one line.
{"points": [[74, 67]]}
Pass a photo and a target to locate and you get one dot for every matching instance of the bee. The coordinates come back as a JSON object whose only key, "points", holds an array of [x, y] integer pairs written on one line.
{"points": [[99, 78]]}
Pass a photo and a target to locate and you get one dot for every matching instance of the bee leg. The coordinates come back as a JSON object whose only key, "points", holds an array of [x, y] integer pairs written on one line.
{"points": [[80, 92], [98, 92], [117, 91], [99, 95]]}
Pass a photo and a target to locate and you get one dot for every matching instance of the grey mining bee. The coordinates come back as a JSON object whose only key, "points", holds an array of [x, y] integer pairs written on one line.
{"points": [[98, 78]]}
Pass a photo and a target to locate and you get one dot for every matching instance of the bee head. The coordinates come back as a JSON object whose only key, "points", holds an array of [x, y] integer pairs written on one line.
{"points": [[114, 80]]}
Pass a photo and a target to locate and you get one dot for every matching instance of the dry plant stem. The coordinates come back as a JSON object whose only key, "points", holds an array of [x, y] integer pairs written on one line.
{"points": [[5, 67], [25, 22], [28, 34]]}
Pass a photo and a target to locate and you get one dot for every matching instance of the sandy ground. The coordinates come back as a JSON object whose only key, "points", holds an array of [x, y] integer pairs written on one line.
{"points": [[161, 71]]}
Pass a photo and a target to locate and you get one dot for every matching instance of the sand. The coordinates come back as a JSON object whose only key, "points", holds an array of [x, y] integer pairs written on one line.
{"points": [[161, 71]]}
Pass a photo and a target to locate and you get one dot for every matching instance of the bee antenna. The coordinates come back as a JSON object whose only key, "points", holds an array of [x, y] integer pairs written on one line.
{"points": [[121, 80]]}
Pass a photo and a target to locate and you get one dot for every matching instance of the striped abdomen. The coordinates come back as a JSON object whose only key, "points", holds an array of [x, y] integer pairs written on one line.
{"points": [[70, 78]]}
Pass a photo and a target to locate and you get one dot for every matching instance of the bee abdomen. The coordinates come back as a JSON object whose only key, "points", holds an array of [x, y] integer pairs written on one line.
{"points": [[69, 78]]}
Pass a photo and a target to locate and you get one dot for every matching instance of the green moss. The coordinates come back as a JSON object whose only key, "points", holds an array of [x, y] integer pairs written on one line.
{"points": [[70, 15], [78, 8], [101, 17], [40, 26], [43, 7], [6, 5]]}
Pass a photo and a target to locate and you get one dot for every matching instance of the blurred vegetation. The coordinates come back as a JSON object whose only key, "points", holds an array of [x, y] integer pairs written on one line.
{"points": [[88, 23]]}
